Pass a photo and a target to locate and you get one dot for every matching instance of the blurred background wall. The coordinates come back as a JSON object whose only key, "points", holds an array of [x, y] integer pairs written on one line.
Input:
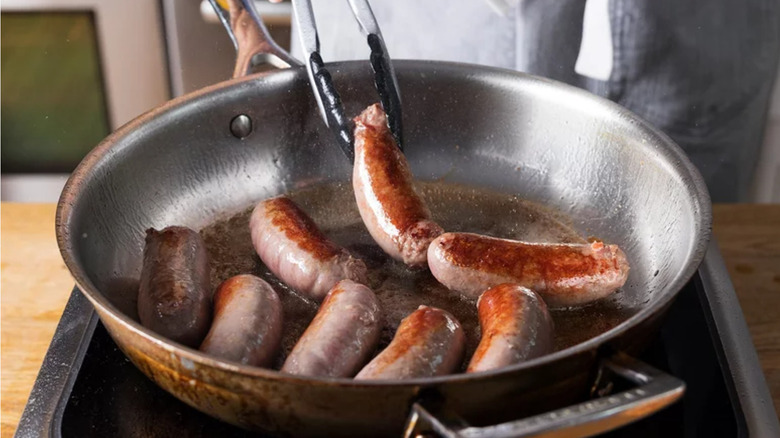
{"points": [[75, 70]]}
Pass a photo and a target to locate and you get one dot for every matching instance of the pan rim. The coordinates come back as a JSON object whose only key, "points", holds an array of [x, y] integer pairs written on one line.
{"points": [[695, 187]]}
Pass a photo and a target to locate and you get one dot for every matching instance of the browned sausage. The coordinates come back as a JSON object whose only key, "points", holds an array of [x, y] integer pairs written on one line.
{"points": [[394, 214], [563, 274], [515, 327], [174, 297], [429, 342], [247, 325], [296, 251], [342, 335]]}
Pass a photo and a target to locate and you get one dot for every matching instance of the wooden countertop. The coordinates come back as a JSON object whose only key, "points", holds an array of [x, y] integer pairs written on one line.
{"points": [[36, 285]]}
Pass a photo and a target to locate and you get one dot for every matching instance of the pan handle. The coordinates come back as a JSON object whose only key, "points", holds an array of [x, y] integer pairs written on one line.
{"points": [[254, 46], [655, 391]]}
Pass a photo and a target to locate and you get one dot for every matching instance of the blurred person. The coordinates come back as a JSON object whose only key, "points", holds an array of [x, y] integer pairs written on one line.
{"points": [[702, 71]]}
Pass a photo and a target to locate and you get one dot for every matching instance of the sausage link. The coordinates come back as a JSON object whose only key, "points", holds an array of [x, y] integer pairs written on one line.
{"points": [[515, 327], [174, 296], [342, 335], [247, 325], [429, 342], [563, 274], [394, 214], [296, 251]]}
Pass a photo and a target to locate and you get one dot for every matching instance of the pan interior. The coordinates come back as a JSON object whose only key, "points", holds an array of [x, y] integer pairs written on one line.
{"points": [[401, 290], [524, 137]]}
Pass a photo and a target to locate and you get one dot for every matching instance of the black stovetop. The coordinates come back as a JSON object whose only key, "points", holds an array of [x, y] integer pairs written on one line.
{"points": [[87, 388]]}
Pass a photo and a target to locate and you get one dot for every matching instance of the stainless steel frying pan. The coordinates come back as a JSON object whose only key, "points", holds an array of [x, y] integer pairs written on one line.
{"points": [[220, 149]]}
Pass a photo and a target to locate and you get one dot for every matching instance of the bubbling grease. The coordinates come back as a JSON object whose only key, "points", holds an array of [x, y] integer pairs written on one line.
{"points": [[401, 290]]}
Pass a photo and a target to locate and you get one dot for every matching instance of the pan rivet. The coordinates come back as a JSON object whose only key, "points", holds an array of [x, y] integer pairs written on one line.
{"points": [[241, 126]]}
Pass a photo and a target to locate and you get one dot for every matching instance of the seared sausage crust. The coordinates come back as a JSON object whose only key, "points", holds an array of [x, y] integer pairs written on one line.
{"points": [[563, 274], [342, 335], [393, 212], [515, 327], [295, 250], [429, 342], [247, 325], [174, 297]]}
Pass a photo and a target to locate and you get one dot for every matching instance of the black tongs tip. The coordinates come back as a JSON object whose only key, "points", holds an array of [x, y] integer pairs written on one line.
{"points": [[328, 99]]}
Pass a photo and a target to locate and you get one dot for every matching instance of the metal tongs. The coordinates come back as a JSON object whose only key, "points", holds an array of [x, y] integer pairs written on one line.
{"points": [[250, 42], [328, 99]]}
